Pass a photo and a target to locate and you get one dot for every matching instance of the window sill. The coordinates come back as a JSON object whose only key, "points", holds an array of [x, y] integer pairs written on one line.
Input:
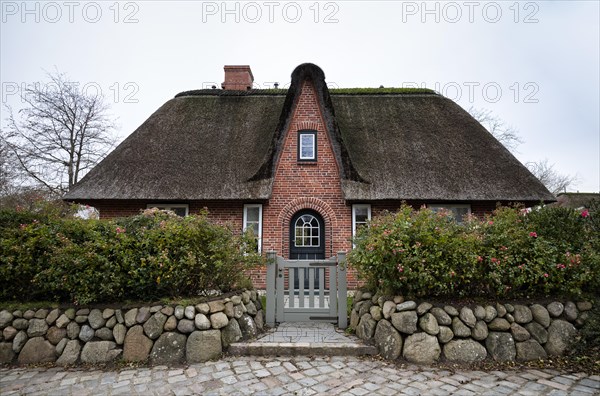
{"points": [[307, 163]]}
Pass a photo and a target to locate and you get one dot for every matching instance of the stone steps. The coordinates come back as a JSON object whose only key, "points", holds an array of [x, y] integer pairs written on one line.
{"points": [[301, 349]]}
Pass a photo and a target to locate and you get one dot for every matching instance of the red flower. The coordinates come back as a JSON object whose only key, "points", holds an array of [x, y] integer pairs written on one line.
{"points": [[585, 213], [479, 258], [533, 234], [546, 275]]}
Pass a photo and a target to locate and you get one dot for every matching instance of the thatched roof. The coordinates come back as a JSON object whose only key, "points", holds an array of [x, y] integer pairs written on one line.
{"points": [[389, 143]]}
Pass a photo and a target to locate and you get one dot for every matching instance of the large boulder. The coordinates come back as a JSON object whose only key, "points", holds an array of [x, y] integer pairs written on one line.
{"points": [[519, 333], [186, 326], [464, 351], [136, 346], [105, 334], [19, 341], [130, 317], [96, 319], [499, 324], [405, 322], [441, 316], [230, 333], [467, 316], [555, 309], [143, 315], [203, 346], [54, 335], [388, 340], [490, 313], [428, 323], [70, 354], [37, 327], [37, 350], [86, 333], [540, 315], [480, 331], [571, 311], [421, 348], [406, 306], [202, 322], [119, 333], [537, 332], [560, 336], [501, 346], [99, 352], [153, 327], [530, 350], [247, 326], [73, 330], [522, 314], [388, 309], [6, 352], [219, 320], [445, 334], [459, 328], [168, 349], [366, 328], [5, 318]]}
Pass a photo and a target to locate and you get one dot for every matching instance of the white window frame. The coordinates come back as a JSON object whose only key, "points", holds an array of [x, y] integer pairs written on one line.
{"points": [[260, 222], [354, 207], [169, 206], [313, 136], [450, 207]]}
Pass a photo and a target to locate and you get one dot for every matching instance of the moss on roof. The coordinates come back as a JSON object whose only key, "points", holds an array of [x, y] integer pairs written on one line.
{"points": [[390, 143], [380, 91], [332, 91]]}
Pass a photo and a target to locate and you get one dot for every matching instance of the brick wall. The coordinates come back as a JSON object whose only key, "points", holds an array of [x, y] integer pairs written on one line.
{"points": [[307, 185]]}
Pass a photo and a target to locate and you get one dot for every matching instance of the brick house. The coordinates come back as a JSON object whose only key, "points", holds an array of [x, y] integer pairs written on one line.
{"points": [[305, 166]]}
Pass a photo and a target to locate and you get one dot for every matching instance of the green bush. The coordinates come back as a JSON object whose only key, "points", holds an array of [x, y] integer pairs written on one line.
{"points": [[152, 255], [511, 253]]}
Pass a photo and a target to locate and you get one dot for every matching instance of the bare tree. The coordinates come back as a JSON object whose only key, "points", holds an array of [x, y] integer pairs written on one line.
{"points": [[60, 134], [505, 134], [554, 181]]}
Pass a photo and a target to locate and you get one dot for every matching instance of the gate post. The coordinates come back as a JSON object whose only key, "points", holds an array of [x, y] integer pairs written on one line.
{"points": [[271, 271], [342, 293]]}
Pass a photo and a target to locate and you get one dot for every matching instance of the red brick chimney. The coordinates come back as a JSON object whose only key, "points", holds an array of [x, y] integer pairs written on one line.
{"points": [[238, 78]]}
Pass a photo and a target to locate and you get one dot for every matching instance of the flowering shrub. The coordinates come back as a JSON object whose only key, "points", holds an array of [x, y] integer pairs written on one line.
{"points": [[510, 253], [152, 255]]}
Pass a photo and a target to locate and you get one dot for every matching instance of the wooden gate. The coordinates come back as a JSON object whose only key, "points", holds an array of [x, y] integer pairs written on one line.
{"points": [[323, 299]]}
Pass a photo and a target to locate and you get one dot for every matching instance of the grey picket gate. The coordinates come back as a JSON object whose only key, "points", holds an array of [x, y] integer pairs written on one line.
{"points": [[323, 299]]}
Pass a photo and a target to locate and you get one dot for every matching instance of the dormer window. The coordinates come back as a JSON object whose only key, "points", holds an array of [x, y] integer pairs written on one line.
{"points": [[307, 146]]}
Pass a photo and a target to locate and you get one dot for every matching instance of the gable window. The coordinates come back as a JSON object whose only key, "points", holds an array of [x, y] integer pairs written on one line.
{"points": [[361, 214], [458, 211], [179, 209], [307, 146], [253, 221]]}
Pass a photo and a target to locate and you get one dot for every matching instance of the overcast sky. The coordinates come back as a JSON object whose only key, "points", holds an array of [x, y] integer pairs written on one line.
{"points": [[534, 64]]}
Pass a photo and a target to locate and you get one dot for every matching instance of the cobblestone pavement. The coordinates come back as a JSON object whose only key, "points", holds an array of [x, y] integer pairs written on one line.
{"points": [[292, 376]]}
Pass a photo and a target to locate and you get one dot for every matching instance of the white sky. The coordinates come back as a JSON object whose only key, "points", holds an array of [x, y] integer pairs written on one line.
{"points": [[534, 64]]}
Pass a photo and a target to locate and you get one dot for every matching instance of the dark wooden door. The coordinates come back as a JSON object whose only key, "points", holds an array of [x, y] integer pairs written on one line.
{"points": [[307, 241]]}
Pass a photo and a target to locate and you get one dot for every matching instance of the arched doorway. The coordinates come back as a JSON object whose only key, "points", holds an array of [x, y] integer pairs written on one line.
{"points": [[307, 236], [307, 241]]}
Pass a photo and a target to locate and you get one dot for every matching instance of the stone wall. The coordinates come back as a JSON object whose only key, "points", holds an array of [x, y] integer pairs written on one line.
{"points": [[424, 333], [160, 334]]}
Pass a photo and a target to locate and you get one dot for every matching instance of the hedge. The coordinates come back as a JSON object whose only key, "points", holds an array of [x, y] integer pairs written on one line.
{"points": [[513, 252], [155, 254]]}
